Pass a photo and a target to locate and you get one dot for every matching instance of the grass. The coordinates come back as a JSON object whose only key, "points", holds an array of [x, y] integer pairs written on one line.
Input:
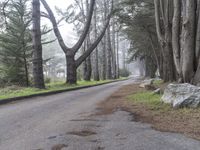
{"points": [[15, 91], [150, 109], [150, 100]]}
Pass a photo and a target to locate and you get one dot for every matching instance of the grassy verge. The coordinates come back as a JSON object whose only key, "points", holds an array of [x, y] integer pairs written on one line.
{"points": [[148, 108], [150, 100], [15, 91]]}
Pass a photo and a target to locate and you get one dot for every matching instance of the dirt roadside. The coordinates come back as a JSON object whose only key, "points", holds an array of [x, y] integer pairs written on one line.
{"points": [[184, 121]]}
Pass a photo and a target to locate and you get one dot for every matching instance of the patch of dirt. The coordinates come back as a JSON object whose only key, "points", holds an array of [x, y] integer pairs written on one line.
{"points": [[117, 100], [185, 121], [82, 133], [59, 147]]}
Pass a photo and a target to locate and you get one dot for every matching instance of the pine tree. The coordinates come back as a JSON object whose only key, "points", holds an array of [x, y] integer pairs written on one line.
{"points": [[15, 44]]}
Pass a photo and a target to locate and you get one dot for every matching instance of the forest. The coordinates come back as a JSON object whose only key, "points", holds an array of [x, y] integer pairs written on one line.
{"points": [[161, 38], [100, 74], [33, 50]]}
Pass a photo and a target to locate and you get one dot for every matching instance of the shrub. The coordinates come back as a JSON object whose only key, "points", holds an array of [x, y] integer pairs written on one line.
{"points": [[124, 72]]}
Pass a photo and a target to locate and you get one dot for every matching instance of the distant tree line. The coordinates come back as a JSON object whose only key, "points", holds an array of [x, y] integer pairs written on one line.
{"points": [[136, 18]]}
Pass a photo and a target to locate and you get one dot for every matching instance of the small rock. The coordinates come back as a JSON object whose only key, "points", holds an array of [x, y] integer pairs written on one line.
{"points": [[146, 83], [157, 91], [182, 95]]}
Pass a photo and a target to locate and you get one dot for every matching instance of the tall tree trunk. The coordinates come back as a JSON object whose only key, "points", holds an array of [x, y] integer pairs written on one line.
{"points": [[197, 49], [87, 63], [105, 45], [176, 36], [26, 71], [114, 66], [196, 79], [117, 55], [71, 69], [109, 55], [189, 41], [96, 55], [163, 10], [169, 72], [88, 69], [38, 76], [104, 64]]}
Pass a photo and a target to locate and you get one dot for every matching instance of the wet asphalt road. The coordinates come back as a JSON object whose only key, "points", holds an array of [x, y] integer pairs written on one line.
{"points": [[63, 122]]}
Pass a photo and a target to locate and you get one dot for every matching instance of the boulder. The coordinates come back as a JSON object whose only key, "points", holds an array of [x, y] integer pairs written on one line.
{"points": [[146, 83], [182, 95]]}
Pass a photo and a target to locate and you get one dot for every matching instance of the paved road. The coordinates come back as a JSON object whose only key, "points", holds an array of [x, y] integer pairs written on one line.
{"points": [[63, 122]]}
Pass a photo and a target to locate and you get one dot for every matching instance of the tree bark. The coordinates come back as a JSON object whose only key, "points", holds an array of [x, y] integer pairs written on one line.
{"points": [[96, 55], [176, 36], [196, 79], [88, 71], [197, 49], [71, 69], [114, 66], [87, 63], [164, 34], [118, 55], [88, 66], [189, 41], [109, 55], [38, 76], [104, 64]]}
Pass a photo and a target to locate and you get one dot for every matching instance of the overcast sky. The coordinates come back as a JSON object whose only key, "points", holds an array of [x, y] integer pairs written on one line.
{"points": [[66, 29], [60, 3]]}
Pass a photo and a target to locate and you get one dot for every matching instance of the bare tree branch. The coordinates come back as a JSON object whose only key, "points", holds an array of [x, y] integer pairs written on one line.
{"points": [[55, 26]]}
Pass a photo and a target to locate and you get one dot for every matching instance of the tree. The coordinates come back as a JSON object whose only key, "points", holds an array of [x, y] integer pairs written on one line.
{"points": [[70, 53], [188, 53], [163, 17], [108, 46], [96, 55], [15, 43], [87, 66], [137, 19], [38, 76], [183, 36], [114, 57]]}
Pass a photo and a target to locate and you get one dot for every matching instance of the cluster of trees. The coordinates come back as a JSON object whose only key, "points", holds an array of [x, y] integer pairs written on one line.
{"points": [[178, 30], [137, 20], [165, 35], [21, 41], [15, 42]]}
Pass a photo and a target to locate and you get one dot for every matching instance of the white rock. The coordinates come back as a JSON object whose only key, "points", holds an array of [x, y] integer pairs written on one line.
{"points": [[146, 83], [157, 91], [182, 95]]}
